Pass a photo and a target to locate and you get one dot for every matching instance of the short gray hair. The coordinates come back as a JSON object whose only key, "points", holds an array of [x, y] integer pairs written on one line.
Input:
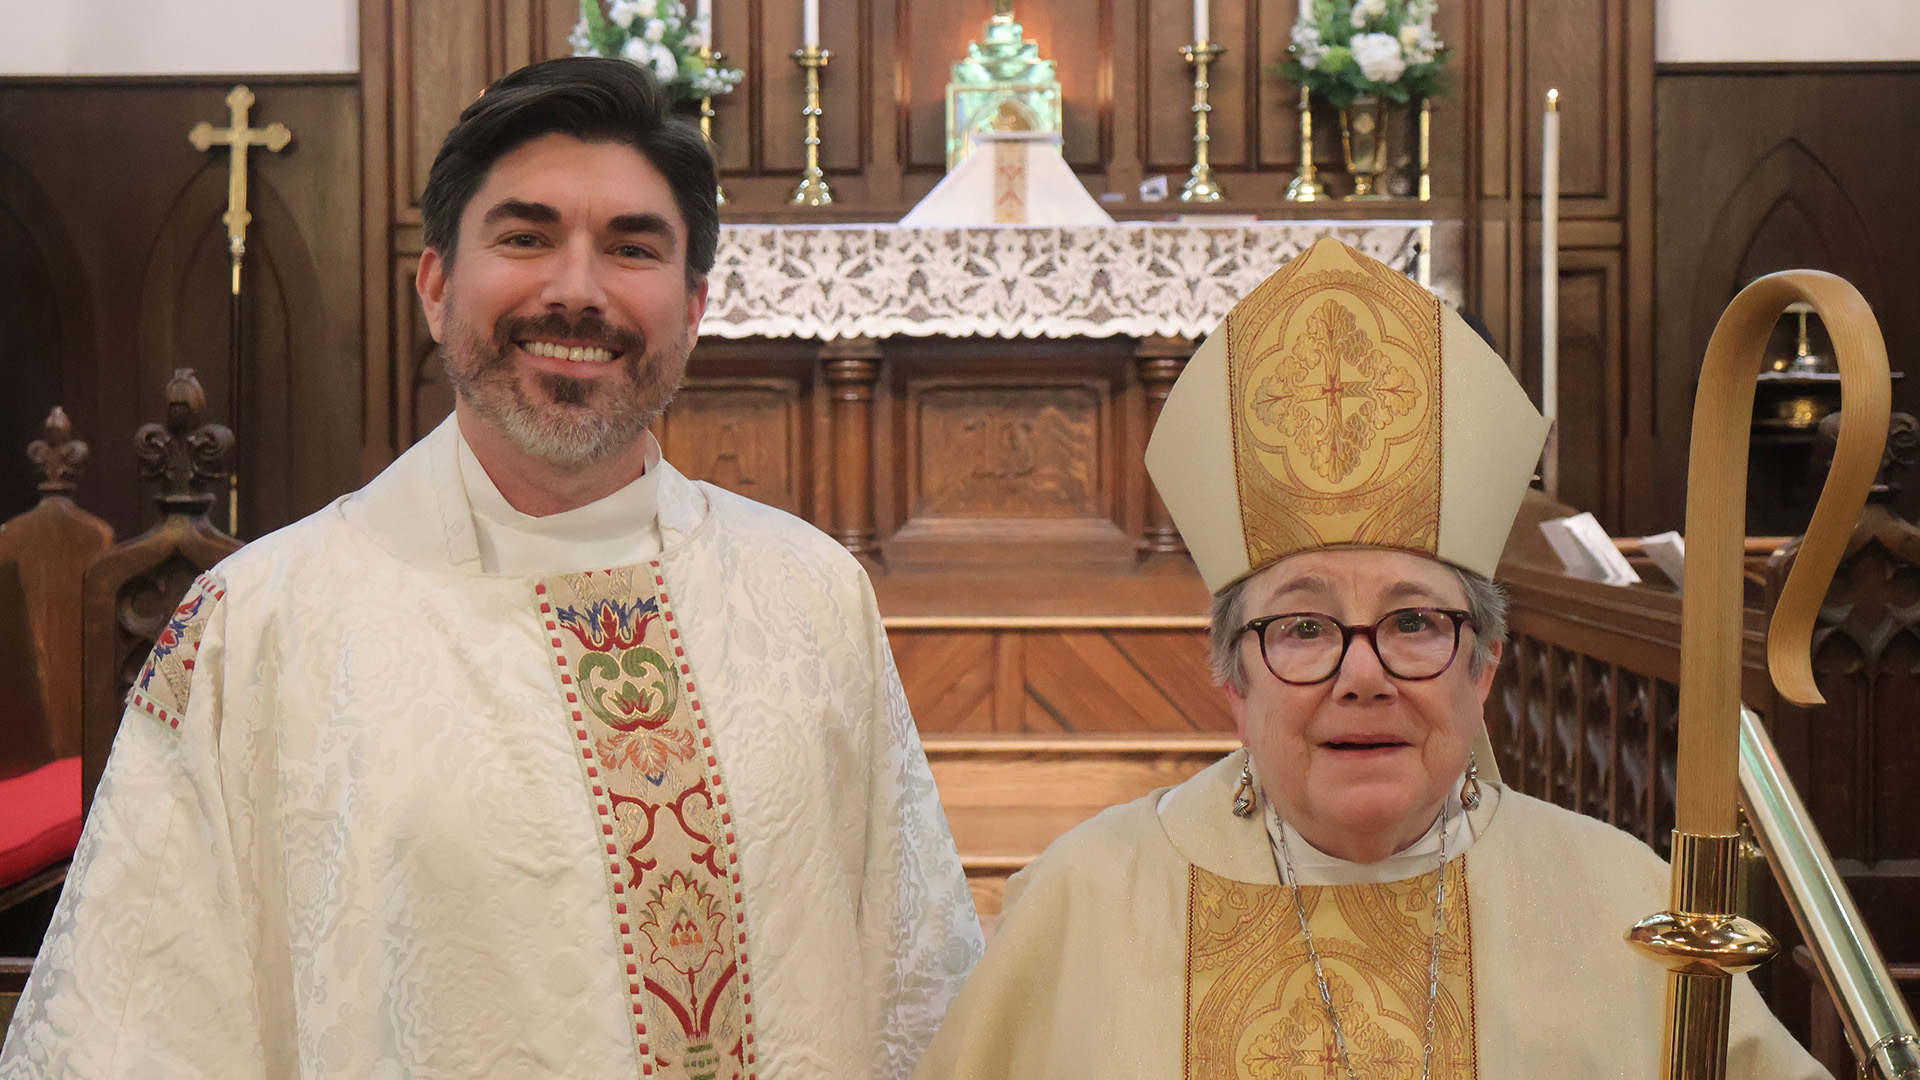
{"points": [[1486, 603]]}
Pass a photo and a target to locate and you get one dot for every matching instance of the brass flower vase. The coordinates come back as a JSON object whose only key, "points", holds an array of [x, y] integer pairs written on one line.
{"points": [[1363, 143]]}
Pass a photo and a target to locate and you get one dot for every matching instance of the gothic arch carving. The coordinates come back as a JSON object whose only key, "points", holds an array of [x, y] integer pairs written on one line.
{"points": [[1788, 201], [183, 323], [46, 324]]}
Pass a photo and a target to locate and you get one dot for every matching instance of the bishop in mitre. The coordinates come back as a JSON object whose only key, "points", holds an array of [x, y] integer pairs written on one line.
{"points": [[1354, 894]]}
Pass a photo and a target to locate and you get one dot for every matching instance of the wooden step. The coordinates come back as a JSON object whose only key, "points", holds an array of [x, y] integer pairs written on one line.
{"points": [[1008, 797]]}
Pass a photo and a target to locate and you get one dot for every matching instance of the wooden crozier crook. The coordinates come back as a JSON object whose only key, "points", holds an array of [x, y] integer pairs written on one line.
{"points": [[1701, 941]]}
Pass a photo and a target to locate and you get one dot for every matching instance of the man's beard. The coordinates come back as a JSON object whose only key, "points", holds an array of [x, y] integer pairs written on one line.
{"points": [[567, 421]]}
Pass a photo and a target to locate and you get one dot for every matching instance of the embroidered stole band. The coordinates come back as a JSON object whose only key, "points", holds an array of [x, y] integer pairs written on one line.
{"points": [[673, 876]]}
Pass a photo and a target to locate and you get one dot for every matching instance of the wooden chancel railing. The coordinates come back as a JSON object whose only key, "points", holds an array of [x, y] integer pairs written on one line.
{"points": [[1584, 713], [1584, 709]]}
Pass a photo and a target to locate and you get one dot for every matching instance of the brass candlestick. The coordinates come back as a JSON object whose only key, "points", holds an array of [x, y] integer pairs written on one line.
{"points": [[1306, 187], [713, 58], [812, 190], [1200, 185]]}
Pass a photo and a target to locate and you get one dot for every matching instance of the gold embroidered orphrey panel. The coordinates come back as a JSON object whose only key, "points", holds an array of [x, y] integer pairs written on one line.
{"points": [[673, 873], [1253, 1004], [1334, 386]]}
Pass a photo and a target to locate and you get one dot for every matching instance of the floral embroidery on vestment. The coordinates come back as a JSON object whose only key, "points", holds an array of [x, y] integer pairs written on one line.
{"points": [[1253, 1003], [166, 679], [1334, 385], [652, 772]]}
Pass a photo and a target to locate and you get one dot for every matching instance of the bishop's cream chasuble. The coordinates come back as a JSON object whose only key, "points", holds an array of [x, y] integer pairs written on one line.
{"points": [[376, 812], [1156, 941]]}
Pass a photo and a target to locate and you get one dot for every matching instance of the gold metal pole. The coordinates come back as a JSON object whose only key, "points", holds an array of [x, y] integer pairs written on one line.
{"points": [[1306, 187], [1201, 186], [812, 190], [1872, 1010], [1701, 940]]}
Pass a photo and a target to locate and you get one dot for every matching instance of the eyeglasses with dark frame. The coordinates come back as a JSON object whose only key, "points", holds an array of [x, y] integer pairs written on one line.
{"points": [[1413, 644]]}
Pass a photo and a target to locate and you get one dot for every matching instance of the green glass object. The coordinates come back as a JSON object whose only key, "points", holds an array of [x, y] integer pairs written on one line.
{"points": [[1002, 85]]}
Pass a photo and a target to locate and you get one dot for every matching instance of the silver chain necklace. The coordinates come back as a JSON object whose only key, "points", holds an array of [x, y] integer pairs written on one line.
{"points": [[1288, 877]]}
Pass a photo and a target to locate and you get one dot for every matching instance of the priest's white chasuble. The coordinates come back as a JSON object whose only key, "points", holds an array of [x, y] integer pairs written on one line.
{"points": [[1157, 941], [376, 811]]}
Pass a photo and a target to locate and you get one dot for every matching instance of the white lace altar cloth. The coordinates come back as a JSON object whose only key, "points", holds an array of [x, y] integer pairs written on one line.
{"points": [[1137, 279]]}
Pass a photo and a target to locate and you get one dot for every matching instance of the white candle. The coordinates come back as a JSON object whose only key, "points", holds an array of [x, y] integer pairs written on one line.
{"points": [[811, 38], [1200, 27], [1550, 260], [703, 11], [1306, 11], [1550, 288]]}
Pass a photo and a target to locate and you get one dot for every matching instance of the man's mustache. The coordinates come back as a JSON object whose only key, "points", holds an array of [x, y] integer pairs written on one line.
{"points": [[588, 329]]}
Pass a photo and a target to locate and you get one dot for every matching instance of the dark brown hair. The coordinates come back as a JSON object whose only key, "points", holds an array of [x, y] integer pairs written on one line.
{"points": [[593, 99]]}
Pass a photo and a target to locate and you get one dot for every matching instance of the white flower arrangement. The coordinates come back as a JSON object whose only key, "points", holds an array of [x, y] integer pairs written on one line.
{"points": [[657, 35], [1382, 48]]}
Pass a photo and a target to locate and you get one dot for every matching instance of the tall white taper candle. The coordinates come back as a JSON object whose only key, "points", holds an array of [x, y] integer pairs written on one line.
{"points": [[1550, 287], [811, 37], [1200, 27], [703, 11]]}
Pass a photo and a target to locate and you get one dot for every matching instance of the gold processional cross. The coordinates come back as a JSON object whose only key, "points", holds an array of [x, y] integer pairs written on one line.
{"points": [[236, 138]]}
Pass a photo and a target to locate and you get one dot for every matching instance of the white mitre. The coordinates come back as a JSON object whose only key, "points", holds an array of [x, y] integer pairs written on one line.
{"points": [[1341, 404]]}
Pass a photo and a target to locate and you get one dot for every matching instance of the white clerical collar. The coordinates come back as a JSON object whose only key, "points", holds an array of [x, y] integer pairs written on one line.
{"points": [[1311, 866], [619, 530]]}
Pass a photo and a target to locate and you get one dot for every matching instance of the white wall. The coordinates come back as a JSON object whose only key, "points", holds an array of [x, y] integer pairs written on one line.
{"points": [[1762, 30], [178, 37]]}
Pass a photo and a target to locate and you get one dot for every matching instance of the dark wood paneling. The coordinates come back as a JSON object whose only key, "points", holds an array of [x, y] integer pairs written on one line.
{"points": [[46, 322], [1592, 375], [1774, 169], [750, 435], [444, 57], [1577, 48], [125, 217]]}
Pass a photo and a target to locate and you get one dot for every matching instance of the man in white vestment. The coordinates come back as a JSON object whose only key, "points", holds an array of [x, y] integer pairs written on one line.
{"points": [[532, 758], [1354, 895]]}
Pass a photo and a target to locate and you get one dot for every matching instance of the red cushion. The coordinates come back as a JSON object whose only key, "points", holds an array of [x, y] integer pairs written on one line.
{"points": [[39, 819]]}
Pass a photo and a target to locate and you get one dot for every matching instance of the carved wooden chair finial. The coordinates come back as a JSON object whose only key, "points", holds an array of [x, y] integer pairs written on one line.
{"points": [[58, 455], [1903, 439], [187, 456]]}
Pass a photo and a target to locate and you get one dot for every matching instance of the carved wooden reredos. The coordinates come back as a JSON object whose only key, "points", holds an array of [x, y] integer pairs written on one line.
{"points": [[1127, 117]]}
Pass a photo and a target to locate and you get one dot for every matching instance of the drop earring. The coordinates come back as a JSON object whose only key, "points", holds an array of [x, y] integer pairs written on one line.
{"points": [[1470, 787], [1243, 794]]}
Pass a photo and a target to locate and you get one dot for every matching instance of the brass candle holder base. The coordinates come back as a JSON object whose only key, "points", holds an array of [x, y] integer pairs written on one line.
{"points": [[812, 189], [1306, 187], [1201, 186]]}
